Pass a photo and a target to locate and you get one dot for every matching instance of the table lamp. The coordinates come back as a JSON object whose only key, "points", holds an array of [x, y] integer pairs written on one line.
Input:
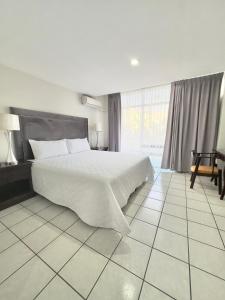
{"points": [[9, 123], [98, 129]]}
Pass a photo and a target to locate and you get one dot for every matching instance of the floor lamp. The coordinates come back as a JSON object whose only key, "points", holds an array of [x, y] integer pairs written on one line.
{"points": [[9, 123]]}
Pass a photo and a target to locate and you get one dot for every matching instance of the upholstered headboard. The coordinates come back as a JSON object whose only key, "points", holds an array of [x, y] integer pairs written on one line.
{"points": [[46, 126]]}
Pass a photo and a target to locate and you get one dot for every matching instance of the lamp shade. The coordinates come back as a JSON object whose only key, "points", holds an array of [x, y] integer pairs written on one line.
{"points": [[9, 122], [98, 127]]}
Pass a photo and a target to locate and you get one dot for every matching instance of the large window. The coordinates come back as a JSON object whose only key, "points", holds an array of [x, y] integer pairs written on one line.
{"points": [[144, 120]]}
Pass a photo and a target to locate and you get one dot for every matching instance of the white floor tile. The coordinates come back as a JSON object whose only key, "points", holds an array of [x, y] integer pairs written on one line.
{"points": [[2, 227], [174, 224], [202, 206], [51, 211], [83, 270], [16, 217], [159, 188], [130, 209], [60, 251], [207, 258], [132, 255], [218, 210], [196, 196], [212, 192], [13, 258], [216, 201], [172, 243], [27, 226], [10, 210], [143, 232], [41, 237], [176, 200], [157, 195], [220, 221], [162, 182], [104, 241], [223, 235], [27, 282], [57, 289], [149, 292], [7, 239], [175, 192], [143, 187], [201, 217], [30, 201], [196, 185], [175, 210], [81, 231], [148, 215], [205, 286], [177, 181], [137, 199], [153, 204], [116, 283], [169, 275], [177, 186], [39, 204], [65, 219], [205, 234]]}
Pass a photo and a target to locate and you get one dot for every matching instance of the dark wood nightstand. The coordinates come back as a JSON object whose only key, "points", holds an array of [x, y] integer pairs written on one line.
{"points": [[15, 183], [100, 149]]}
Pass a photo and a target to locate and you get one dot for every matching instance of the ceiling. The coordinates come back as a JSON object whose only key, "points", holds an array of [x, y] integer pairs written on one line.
{"points": [[86, 45]]}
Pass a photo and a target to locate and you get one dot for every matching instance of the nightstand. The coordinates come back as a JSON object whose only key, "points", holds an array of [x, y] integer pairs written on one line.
{"points": [[100, 149], [15, 183]]}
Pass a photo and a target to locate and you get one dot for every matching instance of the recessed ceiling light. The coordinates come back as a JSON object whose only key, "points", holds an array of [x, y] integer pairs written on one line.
{"points": [[134, 62]]}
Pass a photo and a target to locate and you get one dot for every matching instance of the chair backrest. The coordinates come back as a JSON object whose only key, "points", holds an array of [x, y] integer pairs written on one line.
{"points": [[211, 156]]}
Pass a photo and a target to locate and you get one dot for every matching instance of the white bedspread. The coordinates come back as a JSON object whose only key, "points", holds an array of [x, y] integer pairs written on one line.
{"points": [[94, 184]]}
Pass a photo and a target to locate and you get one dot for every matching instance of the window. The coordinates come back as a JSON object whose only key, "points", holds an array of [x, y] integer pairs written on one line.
{"points": [[144, 121]]}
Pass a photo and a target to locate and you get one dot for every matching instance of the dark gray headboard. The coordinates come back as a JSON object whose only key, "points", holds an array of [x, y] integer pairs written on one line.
{"points": [[45, 126]]}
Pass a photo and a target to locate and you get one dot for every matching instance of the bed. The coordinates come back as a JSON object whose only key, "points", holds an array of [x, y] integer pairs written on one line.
{"points": [[94, 184]]}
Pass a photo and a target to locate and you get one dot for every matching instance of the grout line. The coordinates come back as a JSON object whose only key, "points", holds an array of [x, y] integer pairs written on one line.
{"points": [[12, 211], [147, 265], [117, 263], [215, 221], [57, 272], [188, 244], [36, 253], [34, 214], [49, 221], [109, 259]]}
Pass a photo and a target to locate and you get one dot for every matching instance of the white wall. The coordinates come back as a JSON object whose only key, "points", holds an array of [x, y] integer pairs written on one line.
{"points": [[25, 91]]}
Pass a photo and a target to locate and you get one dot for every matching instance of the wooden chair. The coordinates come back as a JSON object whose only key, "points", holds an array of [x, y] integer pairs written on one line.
{"points": [[210, 170], [223, 191]]}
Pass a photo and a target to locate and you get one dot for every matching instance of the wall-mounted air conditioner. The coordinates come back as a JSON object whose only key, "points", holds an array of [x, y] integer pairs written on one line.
{"points": [[91, 102]]}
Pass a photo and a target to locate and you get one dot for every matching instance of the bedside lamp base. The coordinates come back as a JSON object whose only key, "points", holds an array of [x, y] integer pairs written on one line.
{"points": [[11, 159]]}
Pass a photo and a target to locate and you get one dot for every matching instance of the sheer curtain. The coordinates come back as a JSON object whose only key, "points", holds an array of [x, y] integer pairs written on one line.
{"points": [[144, 120]]}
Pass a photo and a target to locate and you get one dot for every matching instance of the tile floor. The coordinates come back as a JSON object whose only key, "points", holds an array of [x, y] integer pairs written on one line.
{"points": [[175, 249]]}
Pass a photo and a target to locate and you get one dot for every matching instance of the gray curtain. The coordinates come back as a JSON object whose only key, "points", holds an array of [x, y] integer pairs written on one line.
{"points": [[114, 111], [192, 121]]}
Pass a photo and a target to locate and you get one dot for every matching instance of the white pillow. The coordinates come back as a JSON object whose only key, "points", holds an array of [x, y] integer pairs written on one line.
{"points": [[45, 149], [77, 145]]}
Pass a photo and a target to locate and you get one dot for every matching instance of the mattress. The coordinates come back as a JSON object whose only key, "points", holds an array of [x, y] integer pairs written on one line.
{"points": [[94, 184]]}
